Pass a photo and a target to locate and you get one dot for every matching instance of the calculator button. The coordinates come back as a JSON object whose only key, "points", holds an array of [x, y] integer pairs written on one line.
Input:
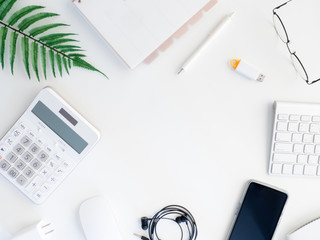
{"points": [[9, 141], [4, 165], [16, 133], [18, 149], [52, 180], [11, 157], [13, 172], [45, 187], [27, 157], [22, 126], [25, 141], [48, 149], [36, 164], [34, 148], [43, 156], [28, 172], [34, 185], [59, 171], [20, 165], [57, 157], [22, 180], [52, 164], [31, 134], [40, 142], [44, 172], [3, 149], [38, 195]]}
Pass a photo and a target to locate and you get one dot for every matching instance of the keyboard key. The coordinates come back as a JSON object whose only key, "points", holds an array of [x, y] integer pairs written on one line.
{"points": [[307, 138], [316, 138], [293, 127], [282, 116], [283, 137], [317, 149], [10, 141], [287, 169], [298, 148], [310, 170], [276, 168], [285, 158], [298, 169], [44, 172], [297, 137], [282, 126], [313, 159], [314, 128], [302, 159], [305, 118], [309, 149], [316, 119], [303, 127], [294, 117], [283, 147]]}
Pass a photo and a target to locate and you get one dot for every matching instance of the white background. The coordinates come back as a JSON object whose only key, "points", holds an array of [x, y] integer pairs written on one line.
{"points": [[193, 140]]}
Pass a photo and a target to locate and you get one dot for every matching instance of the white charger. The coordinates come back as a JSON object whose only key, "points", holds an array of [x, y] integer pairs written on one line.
{"points": [[39, 231], [247, 70]]}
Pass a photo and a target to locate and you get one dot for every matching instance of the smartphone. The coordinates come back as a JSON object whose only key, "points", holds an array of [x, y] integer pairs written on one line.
{"points": [[259, 213]]}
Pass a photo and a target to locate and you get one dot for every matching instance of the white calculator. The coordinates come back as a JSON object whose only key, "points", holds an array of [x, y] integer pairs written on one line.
{"points": [[45, 145]]}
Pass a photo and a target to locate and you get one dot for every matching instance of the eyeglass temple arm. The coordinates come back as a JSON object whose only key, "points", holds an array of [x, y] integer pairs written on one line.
{"points": [[282, 5]]}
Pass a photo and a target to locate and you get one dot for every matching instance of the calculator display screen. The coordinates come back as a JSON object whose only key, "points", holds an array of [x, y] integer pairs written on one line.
{"points": [[59, 127]]}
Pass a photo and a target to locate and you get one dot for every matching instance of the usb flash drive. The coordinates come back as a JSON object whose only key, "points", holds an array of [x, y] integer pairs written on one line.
{"points": [[247, 70]]}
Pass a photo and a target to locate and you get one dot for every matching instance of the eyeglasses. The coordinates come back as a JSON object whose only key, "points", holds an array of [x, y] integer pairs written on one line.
{"points": [[282, 33]]}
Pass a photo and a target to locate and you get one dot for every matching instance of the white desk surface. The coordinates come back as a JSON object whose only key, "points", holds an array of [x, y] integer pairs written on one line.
{"points": [[193, 140]]}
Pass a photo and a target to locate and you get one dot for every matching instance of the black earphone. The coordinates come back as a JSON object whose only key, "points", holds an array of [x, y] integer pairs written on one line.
{"points": [[175, 213]]}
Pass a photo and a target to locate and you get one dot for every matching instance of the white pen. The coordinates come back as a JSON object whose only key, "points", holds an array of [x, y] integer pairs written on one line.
{"points": [[215, 31]]}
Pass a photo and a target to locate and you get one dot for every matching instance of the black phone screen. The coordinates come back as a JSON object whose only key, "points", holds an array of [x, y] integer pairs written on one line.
{"points": [[259, 213]]}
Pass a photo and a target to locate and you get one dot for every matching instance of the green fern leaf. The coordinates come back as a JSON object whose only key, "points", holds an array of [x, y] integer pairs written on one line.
{"points": [[38, 30], [59, 64], [3, 37], [67, 47], [65, 64], [25, 54], [21, 13], [69, 63], [78, 55], [63, 53], [55, 36], [27, 22], [60, 41], [78, 62], [44, 61], [34, 58], [13, 47], [51, 56], [5, 7]]}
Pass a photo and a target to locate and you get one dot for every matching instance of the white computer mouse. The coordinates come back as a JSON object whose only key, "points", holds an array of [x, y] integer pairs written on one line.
{"points": [[98, 221]]}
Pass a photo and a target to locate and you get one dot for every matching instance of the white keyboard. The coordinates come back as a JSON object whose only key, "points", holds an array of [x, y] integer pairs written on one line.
{"points": [[295, 147]]}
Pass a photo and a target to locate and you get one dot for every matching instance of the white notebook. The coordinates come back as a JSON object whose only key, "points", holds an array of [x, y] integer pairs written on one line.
{"points": [[137, 28]]}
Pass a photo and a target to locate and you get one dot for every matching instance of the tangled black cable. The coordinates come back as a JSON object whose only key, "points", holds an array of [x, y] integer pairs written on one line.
{"points": [[175, 213]]}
